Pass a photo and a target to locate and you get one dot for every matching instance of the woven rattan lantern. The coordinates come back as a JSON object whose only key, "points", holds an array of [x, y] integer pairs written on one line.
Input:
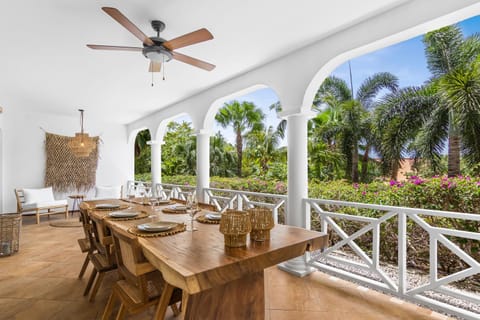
{"points": [[262, 222], [235, 225], [81, 145]]}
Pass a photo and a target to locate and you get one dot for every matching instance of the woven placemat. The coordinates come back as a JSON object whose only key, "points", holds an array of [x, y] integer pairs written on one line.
{"points": [[66, 223], [142, 215], [173, 211], [135, 231], [203, 219], [121, 207]]}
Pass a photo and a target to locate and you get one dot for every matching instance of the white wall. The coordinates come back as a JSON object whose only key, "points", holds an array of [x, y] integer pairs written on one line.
{"points": [[24, 150]]}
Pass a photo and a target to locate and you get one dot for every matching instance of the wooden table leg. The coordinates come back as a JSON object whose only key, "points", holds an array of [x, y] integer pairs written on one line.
{"points": [[243, 298]]}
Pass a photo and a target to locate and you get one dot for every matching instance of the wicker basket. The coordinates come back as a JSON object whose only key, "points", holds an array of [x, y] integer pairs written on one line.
{"points": [[9, 233], [235, 225], [262, 221]]}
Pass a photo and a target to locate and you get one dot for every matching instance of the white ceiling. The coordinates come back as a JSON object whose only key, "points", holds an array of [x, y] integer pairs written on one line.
{"points": [[45, 64]]}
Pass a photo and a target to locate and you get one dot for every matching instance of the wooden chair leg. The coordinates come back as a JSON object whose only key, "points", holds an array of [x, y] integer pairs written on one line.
{"points": [[66, 212], [90, 281], [96, 286], [121, 312], [84, 267], [109, 306], [37, 214], [164, 300]]}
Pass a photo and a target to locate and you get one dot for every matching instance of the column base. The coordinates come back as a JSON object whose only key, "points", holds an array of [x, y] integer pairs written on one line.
{"points": [[297, 267]]}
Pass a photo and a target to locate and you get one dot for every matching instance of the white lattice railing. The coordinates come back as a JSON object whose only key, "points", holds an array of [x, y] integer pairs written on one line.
{"points": [[174, 190], [241, 200], [367, 266]]}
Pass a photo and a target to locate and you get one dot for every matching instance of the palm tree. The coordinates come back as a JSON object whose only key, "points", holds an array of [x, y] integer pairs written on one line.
{"points": [[282, 125], [222, 157], [242, 117], [349, 116], [398, 119], [444, 111], [452, 60], [263, 148]]}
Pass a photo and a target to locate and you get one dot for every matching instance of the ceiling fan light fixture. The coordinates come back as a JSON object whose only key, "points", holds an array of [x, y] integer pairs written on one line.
{"points": [[157, 54]]}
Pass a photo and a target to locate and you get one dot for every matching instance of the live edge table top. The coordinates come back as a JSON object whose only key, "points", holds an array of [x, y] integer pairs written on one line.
{"points": [[198, 261]]}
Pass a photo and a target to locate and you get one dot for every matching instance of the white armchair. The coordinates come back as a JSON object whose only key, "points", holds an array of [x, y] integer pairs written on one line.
{"points": [[39, 202]]}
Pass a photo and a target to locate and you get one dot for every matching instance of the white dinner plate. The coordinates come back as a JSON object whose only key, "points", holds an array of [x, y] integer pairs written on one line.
{"points": [[124, 214], [107, 206], [213, 216], [178, 207], [157, 226]]}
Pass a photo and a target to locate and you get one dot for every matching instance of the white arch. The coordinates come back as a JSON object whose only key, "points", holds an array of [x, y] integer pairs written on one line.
{"points": [[162, 126], [209, 118], [440, 22]]}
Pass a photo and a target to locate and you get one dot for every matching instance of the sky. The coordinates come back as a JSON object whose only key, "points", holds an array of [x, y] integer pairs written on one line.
{"points": [[406, 60]]}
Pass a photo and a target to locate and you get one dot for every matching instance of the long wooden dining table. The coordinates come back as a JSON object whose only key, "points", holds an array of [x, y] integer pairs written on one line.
{"points": [[218, 282]]}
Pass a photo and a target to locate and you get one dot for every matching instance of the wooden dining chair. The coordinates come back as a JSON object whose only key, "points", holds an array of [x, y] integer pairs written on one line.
{"points": [[141, 285], [84, 243], [102, 257]]}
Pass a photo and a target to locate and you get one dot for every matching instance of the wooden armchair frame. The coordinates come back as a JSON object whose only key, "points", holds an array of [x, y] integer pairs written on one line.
{"points": [[41, 210]]}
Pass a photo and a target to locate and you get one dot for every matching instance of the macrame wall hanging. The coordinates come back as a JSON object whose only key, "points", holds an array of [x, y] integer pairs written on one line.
{"points": [[66, 172]]}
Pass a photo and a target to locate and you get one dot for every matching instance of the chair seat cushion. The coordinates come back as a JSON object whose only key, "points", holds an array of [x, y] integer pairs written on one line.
{"points": [[45, 204]]}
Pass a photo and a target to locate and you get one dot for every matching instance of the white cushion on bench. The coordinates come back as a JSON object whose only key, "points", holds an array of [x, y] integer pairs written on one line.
{"points": [[38, 195], [43, 204]]}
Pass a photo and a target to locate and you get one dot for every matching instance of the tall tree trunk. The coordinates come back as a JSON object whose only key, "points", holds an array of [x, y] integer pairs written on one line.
{"points": [[453, 155], [453, 148], [395, 168], [239, 152], [355, 162], [365, 163]]}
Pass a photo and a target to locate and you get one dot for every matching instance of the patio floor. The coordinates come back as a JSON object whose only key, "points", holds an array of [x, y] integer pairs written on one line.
{"points": [[40, 282]]}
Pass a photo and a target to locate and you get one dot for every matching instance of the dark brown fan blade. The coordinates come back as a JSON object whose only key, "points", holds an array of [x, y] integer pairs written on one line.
{"points": [[127, 24], [192, 61], [119, 48], [188, 39], [155, 66]]}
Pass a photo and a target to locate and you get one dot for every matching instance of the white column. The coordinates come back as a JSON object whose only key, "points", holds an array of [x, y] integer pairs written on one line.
{"points": [[156, 161], [297, 153], [203, 163]]}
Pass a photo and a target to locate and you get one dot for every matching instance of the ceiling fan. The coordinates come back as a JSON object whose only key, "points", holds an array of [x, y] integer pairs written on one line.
{"points": [[157, 49]]}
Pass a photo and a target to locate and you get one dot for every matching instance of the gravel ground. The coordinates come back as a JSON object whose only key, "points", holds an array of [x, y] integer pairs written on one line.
{"points": [[414, 278]]}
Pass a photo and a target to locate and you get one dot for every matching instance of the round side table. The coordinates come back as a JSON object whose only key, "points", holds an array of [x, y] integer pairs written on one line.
{"points": [[77, 199]]}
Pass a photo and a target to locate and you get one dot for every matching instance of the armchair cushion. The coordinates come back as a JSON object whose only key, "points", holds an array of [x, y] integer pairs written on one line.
{"points": [[45, 204], [108, 192], [35, 196]]}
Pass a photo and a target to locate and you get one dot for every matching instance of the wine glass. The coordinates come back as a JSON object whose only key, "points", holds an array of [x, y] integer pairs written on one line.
{"points": [[147, 195], [131, 193], [192, 209]]}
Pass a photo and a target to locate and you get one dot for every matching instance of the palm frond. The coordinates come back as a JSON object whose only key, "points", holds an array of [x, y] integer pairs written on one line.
{"points": [[371, 86]]}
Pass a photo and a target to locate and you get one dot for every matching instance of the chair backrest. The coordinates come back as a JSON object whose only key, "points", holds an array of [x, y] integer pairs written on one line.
{"points": [[20, 199], [132, 264], [87, 225], [102, 240], [108, 192]]}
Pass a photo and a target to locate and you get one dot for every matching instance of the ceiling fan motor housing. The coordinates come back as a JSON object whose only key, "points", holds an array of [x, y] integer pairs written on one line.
{"points": [[157, 53]]}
